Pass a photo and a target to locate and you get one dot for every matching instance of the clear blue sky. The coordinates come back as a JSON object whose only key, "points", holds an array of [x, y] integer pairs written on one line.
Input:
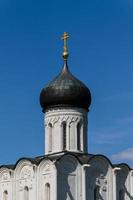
{"points": [[101, 49]]}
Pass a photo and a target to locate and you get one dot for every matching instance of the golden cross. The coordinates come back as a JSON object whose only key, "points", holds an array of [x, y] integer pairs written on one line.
{"points": [[65, 53]]}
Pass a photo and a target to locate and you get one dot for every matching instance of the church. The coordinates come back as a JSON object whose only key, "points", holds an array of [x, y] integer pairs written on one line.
{"points": [[66, 171]]}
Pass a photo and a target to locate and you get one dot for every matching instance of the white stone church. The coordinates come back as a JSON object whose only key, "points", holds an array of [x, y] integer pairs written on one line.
{"points": [[66, 171]]}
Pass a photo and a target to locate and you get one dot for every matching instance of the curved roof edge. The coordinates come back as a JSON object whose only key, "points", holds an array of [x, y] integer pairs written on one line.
{"points": [[123, 165], [7, 166], [102, 156], [83, 158]]}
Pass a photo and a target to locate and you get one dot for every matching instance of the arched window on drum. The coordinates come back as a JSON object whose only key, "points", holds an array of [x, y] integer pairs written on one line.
{"points": [[50, 137], [79, 136], [64, 134]]}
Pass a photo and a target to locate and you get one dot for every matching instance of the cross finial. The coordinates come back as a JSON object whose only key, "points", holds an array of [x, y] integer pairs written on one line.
{"points": [[65, 52]]}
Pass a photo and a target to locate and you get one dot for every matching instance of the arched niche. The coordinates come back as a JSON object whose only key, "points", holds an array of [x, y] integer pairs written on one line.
{"points": [[47, 180], [6, 182], [25, 177], [46, 166], [24, 169], [98, 179], [69, 178], [123, 182]]}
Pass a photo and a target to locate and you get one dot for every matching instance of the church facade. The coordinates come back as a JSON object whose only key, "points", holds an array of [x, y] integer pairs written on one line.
{"points": [[66, 171]]}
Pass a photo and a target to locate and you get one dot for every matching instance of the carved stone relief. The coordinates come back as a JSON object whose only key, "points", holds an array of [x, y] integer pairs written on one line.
{"points": [[23, 183], [5, 175], [26, 172], [101, 181]]}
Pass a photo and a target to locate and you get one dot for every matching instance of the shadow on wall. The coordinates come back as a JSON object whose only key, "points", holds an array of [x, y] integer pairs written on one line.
{"points": [[128, 194], [67, 179], [121, 182], [67, 193], [96, 181], [97, 195]]}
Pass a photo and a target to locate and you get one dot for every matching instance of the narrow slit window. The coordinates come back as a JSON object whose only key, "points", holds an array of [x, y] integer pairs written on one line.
{"points": [[64, 134], [50, 137], [5, 195], [26, 193], [47, 191], [79, 136]]}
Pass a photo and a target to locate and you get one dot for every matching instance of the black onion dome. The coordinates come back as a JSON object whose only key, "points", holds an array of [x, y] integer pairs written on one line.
{"points": [[65, 90]]}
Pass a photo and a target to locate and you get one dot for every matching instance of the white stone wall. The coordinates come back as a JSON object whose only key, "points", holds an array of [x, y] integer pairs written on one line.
{"points": [[123, 182], [75, 136], [27, 181], [66, 178], [6, 183], [98, 178], [69, 181], [47, 180]]}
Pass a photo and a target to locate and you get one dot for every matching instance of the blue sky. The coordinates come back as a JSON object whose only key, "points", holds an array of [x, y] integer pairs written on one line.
{"points": [[100, 46]]}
